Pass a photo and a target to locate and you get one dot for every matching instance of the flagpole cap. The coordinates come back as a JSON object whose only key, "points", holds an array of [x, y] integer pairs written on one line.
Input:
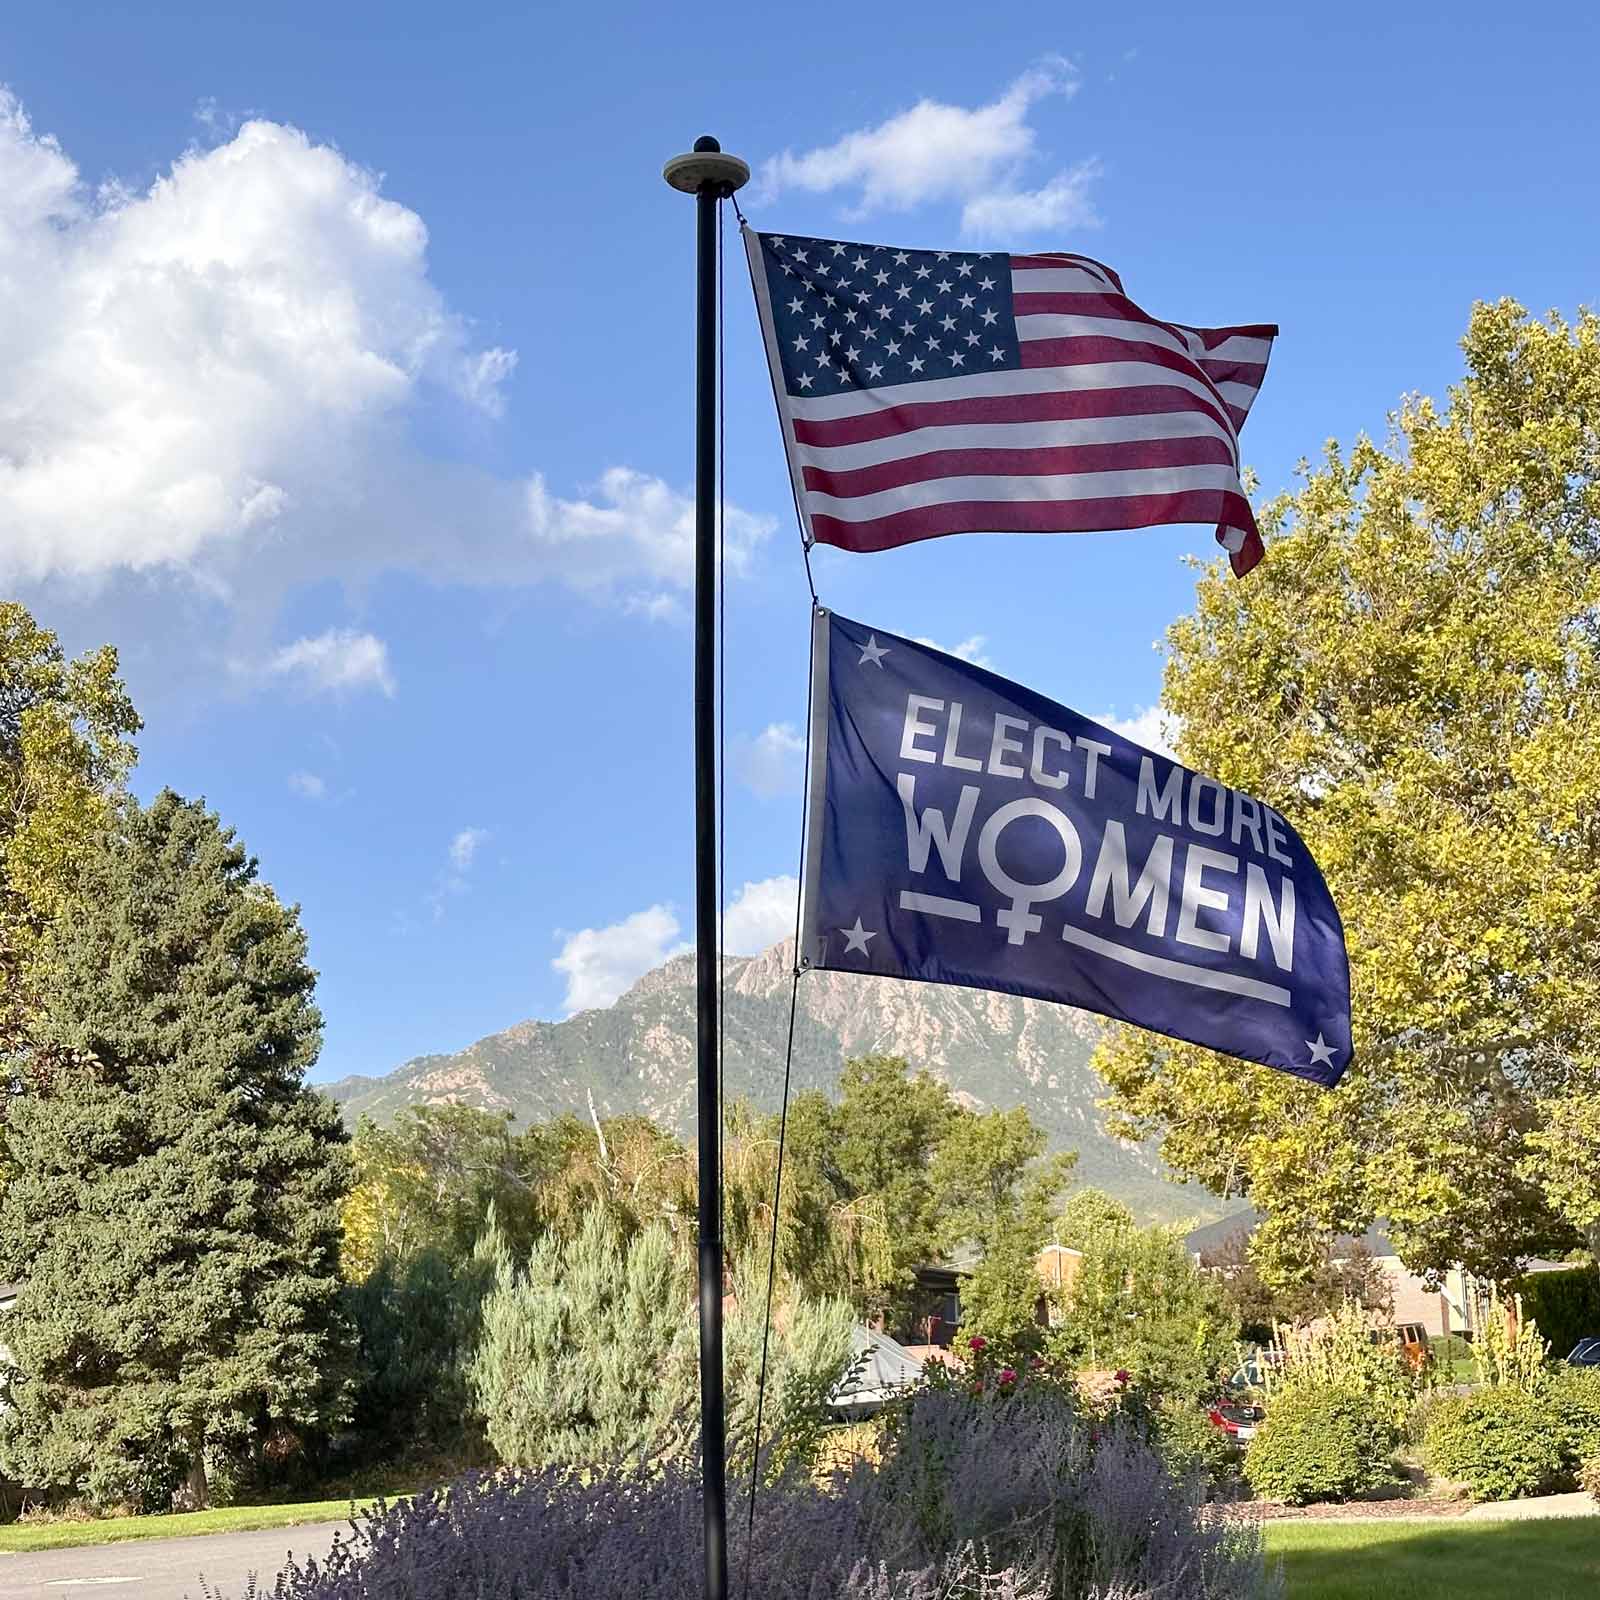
{"points": [[707, 165]]}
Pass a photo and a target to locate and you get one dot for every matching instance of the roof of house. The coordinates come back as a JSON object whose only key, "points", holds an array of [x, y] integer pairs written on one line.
{"points": [[882, 1368], [1213, 1234]]}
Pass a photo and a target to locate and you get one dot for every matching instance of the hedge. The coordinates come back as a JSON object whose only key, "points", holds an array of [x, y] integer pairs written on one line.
{"points": [[1566, 1306]]}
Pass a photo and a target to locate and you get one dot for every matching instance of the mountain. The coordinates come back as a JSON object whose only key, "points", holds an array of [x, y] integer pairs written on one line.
{"points": [[637, 1055]]}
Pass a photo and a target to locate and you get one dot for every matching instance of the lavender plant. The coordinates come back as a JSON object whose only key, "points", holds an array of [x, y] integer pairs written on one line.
{"points": [[1014, 1495]]}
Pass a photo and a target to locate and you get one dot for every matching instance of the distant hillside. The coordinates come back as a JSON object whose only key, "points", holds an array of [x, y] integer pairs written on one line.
{"points": [[638, 1056]]}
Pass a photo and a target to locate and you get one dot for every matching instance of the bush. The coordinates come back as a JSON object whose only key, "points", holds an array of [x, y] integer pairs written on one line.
{"points": [[1011, 1496], [1320, 1442], [1566, 1305], [1190, 1443], [1589, 1477], [1574, 1395], [1500, 1442]]}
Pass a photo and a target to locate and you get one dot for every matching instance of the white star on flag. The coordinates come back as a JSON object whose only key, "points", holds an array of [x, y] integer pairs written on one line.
{"points": [[872, 651], [1321, 1051], [856, 938]]}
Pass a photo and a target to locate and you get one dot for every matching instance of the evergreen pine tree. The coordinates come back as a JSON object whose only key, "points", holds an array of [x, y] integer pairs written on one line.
{"points": [[174, 1213]]}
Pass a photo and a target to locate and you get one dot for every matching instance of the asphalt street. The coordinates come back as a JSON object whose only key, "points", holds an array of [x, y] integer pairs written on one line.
{"points": [[162, 1569]]}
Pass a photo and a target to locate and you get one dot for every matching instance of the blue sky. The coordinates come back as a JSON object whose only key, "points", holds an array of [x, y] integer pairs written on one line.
{"points": [[345, 385]]}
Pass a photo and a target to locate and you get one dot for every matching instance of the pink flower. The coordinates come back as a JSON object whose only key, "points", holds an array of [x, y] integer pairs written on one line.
{"points": [[977, 1388], [1123, 1376], [1008, 1375], [977, 1342], [1037, 1363]]}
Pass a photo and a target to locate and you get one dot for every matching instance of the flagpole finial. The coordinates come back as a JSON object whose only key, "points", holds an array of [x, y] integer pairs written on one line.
{"points": [[707, 166]]}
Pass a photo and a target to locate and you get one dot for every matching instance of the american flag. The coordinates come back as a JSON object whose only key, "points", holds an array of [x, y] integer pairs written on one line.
{"points": [[925, 392]]}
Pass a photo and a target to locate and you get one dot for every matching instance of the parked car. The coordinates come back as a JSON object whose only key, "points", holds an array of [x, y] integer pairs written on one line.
{"points": [[1585, 1353], [1234, 1418]]}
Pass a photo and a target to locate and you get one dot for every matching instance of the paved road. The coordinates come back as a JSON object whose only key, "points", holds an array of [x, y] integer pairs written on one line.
{"points": [[161, 1569]]}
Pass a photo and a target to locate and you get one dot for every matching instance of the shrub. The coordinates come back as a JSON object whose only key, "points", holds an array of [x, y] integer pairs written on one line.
{"points": [[1509, 1352], [1499, 1442], [1574, 1395], [1589, 1477], [1566, 1305], [1010, 1496], [1320, 1442], [1341, 1352], [1191, 1443]]}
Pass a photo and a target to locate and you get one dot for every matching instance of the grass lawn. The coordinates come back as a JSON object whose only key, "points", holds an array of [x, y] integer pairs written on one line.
{"points": [[1556, 1559], [15, 1538]]}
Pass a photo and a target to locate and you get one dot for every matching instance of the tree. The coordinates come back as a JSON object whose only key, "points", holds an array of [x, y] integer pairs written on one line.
{"points": [[426, 1182], [1564, 1161], [830, 1240], [995, 1189], [587, 1352], [1413, 676], [905, 1175], [1353, 1276], [1138, 1301], [174, 1216], [65, 749], [990, 1178], [416, 1322]]}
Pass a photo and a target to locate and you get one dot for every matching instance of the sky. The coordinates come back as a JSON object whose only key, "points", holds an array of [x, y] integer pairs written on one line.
{"points": [[346, 386]]}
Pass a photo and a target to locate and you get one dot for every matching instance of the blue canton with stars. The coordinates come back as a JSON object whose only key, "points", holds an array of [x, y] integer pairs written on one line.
{"points": [[855, 316]]}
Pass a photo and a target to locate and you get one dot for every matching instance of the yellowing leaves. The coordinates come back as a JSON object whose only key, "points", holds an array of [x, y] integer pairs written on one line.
{"points": [[1412, 676]]}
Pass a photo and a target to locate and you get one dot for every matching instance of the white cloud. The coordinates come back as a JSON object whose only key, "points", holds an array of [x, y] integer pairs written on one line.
{"points": [[771, 762], [601, 963], [634, 528], [1150, 727], [968, 650], [308, 785], [217, 380], [464, 847], [940, 152], [1007, 215], [334, 662], [654, 607], [760, 915]]}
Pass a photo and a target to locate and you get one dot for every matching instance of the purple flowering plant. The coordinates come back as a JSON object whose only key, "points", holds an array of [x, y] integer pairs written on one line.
{"points": [[1016, 1492]]}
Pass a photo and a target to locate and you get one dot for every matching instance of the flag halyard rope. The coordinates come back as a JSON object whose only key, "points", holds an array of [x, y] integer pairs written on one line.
{"points": [[783, 1128]]}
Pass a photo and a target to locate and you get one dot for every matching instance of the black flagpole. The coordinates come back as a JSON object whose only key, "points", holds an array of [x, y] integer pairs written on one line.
{"points": [[710, 176]]}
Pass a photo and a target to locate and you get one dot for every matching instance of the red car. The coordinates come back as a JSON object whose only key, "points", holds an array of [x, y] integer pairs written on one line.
{"points": [[1234, 1418]]}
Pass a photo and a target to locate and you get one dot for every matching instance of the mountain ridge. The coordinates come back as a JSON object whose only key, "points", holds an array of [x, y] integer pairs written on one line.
{"points": [[637, 1055]]}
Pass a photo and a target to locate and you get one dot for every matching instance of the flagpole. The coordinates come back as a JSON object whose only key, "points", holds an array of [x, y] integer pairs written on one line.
{"points": [[710, 176]]}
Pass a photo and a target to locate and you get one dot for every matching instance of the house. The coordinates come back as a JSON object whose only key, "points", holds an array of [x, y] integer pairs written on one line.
{"points": [[1449, 1308], [8, 1298], [1058, 1267], [880, 1369], [938, 1313]]}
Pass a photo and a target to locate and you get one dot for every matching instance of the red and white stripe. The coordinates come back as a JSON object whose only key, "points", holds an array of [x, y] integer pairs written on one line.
{"points": [[1115, 420]]}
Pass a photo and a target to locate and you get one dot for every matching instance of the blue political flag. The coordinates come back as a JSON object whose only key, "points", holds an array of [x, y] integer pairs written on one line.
{"points": [[966, 830]]}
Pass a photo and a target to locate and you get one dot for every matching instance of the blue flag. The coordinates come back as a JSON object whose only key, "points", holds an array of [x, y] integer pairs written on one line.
{"points": [[966, 830]]}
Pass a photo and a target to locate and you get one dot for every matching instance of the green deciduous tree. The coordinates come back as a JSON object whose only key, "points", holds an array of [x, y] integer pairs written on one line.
{"points": [[174, 1213], [1563, 1160], [1413, 677], [1139, 1301], [426, 1182], [1348, 1273], [65, 732]]}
